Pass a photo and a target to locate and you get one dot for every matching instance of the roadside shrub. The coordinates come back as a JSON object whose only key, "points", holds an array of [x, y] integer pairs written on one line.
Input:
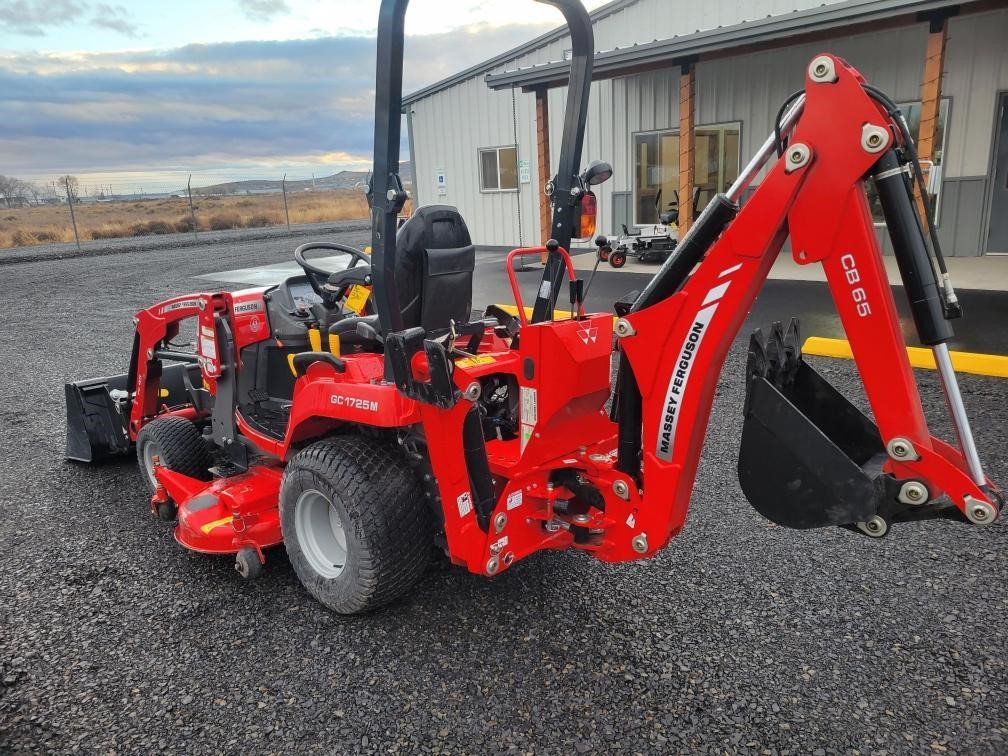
{"points": [[160, 227], [109, 231], [184, 224], [151, 228], [48, 236], [23, 238], [262, 220], [244, 203], [224, 221], [10, 217]]}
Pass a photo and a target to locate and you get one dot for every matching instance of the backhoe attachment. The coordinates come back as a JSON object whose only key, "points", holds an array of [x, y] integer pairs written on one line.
{"points": [[809, 457]]}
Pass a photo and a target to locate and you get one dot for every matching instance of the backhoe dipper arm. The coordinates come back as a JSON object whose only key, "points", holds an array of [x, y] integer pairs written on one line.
{"points": [[677, 335]]}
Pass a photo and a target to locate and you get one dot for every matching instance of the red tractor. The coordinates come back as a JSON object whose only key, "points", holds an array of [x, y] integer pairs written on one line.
{"points": [[360, 416]]}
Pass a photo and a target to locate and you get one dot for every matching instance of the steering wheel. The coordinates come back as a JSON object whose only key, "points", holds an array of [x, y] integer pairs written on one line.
{"points": [[317, 277]]}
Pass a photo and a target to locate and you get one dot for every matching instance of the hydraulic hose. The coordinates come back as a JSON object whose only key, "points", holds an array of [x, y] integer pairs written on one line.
{"points": [[951, 308]]}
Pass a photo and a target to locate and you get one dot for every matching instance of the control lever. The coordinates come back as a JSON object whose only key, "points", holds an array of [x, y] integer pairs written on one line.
{"points": [[576, 297], [601, 241], [368, 332]]}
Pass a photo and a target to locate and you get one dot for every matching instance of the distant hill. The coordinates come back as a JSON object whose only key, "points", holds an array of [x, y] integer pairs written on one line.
{"points": [[341, 180]]}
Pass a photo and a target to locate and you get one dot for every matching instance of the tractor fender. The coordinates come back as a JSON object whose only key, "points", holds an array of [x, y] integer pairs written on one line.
{"points": [[324, 399]]}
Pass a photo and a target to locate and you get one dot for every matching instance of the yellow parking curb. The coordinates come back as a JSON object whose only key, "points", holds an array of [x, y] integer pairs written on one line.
{"points": [[513, 310], [557, 314], [995, 365]]}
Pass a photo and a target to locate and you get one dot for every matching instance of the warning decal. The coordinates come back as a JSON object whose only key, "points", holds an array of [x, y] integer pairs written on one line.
{"points": [[529, 405]]}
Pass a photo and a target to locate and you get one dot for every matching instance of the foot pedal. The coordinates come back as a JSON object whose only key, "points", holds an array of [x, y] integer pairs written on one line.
{"points": [[808, 457], [226, 470]]}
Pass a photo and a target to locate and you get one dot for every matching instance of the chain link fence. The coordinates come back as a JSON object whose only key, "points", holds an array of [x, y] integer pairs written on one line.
{"points": [[70, 209]]}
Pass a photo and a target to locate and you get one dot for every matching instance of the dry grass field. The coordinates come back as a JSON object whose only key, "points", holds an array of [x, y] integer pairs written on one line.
{"points": [[48, 224]]}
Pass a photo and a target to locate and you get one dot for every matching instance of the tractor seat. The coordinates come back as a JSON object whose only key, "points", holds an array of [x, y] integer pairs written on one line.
{"points": [[435, 259]]}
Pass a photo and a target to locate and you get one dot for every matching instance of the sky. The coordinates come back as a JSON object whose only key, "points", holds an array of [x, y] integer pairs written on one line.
{"points": [[138, 94]]}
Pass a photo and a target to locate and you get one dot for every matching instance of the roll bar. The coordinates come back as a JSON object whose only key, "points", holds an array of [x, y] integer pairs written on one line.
{"points": [[387, 195], [562, 200]]}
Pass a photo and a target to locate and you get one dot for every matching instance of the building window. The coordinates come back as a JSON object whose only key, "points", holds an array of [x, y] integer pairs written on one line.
{"points": [[912, 113], [499, 169], [656, 167]]}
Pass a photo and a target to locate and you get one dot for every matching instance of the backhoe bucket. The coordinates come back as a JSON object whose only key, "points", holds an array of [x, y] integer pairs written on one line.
{"points": [[808, 457], [96, 426]]}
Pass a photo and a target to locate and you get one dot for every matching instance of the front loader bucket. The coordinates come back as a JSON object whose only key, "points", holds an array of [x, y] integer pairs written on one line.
{"points": [[96, 428], [808, 457], [98, 409]]}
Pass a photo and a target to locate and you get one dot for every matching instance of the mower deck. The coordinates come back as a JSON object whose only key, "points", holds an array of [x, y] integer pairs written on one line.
{"points": [[228, 514]]}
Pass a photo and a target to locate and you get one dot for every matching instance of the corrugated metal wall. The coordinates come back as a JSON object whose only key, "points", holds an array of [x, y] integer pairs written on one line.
{"points": [[450, 126], [976, 68]]}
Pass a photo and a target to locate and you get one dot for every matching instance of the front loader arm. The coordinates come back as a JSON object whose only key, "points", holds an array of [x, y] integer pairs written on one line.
{"points": [[155, 327], [678, 334]]}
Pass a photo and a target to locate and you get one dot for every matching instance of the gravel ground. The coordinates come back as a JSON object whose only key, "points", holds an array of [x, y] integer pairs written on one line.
{"points": [[740, 637]]}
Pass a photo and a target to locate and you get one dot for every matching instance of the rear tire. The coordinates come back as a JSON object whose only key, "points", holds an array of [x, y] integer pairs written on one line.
{"points": [[356, 527], [617, 259], [177, 443]]}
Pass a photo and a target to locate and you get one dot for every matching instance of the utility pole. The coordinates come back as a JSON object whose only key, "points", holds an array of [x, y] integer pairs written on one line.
{"points": [[192, 210], [283, 186], [73, 218]]}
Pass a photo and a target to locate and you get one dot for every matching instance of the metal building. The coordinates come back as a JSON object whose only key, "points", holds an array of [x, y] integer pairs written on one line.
{"points": [[680, 84]]}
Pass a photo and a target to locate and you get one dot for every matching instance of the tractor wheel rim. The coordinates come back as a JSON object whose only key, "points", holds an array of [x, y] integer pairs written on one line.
{"points": [[149, 453], [320, 534]]}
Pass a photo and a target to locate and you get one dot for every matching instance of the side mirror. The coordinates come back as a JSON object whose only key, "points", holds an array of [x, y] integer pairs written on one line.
{"points": [[596, 172]]}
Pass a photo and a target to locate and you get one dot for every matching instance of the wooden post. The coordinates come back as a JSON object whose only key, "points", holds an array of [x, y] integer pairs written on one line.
{"points": [[543, 164], [934, 64], [687, 145]]}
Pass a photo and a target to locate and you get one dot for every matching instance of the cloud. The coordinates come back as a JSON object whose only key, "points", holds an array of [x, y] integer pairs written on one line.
{"points": [[34, 17], [115, 18], [256, 106], [31, 17], [263, 10]]}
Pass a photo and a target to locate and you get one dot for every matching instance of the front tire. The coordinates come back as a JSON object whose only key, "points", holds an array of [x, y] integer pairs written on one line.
{"points": [[617, 259], [177, 444], [356, 527]]}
